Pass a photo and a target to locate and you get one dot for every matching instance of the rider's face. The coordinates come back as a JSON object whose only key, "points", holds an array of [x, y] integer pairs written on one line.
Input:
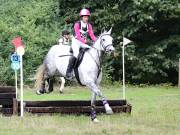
{"points": [[85, 19], [67, 37]]}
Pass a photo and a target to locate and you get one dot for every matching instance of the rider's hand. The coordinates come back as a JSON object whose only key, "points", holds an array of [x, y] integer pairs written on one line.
{"points": [[89, 43]]}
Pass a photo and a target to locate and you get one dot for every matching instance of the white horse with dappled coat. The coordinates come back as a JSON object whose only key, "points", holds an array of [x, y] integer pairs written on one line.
{"points": [[90, 74]]}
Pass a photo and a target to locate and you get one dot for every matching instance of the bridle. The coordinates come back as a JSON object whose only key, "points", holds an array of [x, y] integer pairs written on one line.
{"points": [[104, 48], [102, 44]]}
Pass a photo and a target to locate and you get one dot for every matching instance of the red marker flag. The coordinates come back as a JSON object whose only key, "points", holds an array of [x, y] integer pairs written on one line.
{"points": [[17, 42]]}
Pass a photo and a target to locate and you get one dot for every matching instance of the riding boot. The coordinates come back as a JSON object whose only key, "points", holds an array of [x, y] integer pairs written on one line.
{"points": [[70, 67]]}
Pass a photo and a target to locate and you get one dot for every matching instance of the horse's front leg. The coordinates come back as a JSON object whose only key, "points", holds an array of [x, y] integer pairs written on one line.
{"points": [[62, 84], [93, 108], [97, 91]]}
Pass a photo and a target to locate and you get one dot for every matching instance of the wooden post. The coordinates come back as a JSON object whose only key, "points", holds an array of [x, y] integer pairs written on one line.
{"points": [[15, 106], [179, 74]]}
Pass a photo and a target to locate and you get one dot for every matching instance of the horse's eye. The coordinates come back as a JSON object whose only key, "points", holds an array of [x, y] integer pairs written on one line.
{"points": [[103, 39]]}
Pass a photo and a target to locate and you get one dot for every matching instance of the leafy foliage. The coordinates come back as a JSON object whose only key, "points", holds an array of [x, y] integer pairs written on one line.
{"points": [[153, 25]]}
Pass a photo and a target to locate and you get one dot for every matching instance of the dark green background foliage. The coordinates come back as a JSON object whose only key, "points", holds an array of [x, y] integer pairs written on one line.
{"points": [[153, 25]]}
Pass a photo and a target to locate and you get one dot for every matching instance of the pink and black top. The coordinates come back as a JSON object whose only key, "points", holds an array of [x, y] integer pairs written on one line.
{"points": [[82, 31]]}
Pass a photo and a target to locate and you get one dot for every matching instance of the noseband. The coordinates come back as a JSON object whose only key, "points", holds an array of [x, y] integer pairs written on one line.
{"points": [[102, 44]]}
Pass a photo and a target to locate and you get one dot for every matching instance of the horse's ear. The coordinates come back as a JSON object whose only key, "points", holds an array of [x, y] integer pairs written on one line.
{"points": [[103, 31], [109, 32]]}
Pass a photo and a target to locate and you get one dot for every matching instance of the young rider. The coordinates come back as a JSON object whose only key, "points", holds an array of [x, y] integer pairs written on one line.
{"points": [[65, 39], [83, 32]]}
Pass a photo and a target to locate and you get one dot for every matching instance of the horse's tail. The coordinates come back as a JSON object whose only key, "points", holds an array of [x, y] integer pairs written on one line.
{"points": [[39, 76]]}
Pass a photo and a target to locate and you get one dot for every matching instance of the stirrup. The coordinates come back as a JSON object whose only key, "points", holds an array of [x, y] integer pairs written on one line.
{"points": [[69, 76]]}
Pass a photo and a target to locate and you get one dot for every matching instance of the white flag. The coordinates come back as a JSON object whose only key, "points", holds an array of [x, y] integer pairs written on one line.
{"points": [[126, 41]]}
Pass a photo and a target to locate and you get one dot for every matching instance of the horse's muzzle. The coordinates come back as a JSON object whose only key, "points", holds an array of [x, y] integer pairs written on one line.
{"points": [[111, 50]]}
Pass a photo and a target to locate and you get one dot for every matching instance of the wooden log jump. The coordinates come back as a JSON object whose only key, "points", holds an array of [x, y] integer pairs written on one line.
{"points": [[9, 105], [7, 99], [74, 106]]}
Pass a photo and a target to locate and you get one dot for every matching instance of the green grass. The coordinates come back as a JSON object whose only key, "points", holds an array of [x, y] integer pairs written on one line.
{"points": [[156, 111], [76, 93]]}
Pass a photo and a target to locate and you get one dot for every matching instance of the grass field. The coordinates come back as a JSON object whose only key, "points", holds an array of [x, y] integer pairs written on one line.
{"points": [[156, 111]]}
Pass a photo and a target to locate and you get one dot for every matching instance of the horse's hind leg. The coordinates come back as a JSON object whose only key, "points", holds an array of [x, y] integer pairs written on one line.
{"points": [[50, 84], [62, 85]]}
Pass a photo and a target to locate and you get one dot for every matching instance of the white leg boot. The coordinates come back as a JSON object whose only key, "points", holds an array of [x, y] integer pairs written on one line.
{"points": [[108, 109]]}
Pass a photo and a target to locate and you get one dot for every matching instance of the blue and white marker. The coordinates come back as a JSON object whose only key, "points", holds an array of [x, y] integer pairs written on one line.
{"points": [[15, 58], [15, 65]]}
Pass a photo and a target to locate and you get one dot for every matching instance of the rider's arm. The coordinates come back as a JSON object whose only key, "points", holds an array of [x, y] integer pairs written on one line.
{"points": [[77, 33], [91, 33]]}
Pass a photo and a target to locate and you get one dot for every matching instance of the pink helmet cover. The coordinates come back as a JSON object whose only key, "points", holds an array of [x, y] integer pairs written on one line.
{"points": [[85, 12]]}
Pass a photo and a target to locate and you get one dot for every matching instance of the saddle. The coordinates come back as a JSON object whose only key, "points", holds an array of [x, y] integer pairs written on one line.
{"points": [[78, 62], [80, 56]]}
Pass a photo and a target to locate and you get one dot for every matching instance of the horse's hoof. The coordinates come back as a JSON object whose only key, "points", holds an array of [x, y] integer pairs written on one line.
{"points": [[61, 92], [39, 92], [108, 109], [95, 120], [49, 91]]}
